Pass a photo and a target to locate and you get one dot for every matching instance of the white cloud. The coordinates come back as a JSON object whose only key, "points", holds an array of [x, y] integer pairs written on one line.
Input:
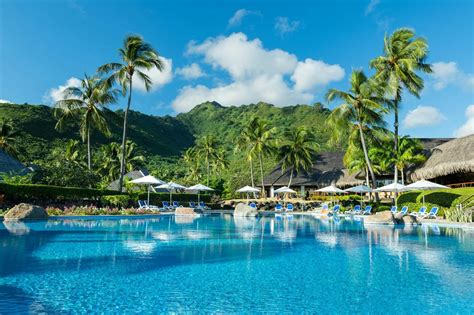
{"points": [[423, 116], [371, 6], [283, 25], [56, 94], [5, 101], [193, 71], [313, 73], [256, 74], [448, 73], [236, 19], [158, 78], [468, 127]]}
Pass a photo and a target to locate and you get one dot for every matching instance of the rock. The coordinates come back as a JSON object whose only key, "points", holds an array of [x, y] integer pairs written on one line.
{"points": [[243, 210], [383, 217], [25, 211], [410, 220], [187, 211]]}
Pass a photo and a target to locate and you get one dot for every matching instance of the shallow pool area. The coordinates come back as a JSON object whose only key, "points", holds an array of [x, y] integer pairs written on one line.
{"points": [[225, 264]]}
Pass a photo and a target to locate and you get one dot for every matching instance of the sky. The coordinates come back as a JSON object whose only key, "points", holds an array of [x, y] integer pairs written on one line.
{"points": [[241, 52]]}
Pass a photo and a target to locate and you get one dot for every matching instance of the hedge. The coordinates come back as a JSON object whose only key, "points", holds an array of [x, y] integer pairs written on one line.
{"points": [[158, 198], [33, 191]]}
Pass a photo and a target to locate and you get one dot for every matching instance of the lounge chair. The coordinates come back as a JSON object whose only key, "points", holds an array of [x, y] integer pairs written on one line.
{"points": [[166, 205], [394, 209], [143, 204], [335, 209], [253, 205], [367, 210], [420, 212], [175, 204], [278, 208], [192, 204], [356, 210], [289, 207], [404, 210], [203, 206], [325, 206], [431, 215]]}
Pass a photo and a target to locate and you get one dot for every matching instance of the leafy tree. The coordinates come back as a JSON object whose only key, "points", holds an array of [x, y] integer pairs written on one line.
{"points": [[297, 151], [110, 155], [361, 110], [220, 162], [397, 69], [70, 152], [192, 161], [137, 57], [245, 143], [8, 136], [86, 102]]}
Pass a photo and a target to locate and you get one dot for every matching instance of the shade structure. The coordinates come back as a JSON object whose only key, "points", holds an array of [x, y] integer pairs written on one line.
{"points": [[285, 190], [199, 188], [148, 180], [331, 190], [393, 187], [424, 185], [361, 189], [170, 187]]}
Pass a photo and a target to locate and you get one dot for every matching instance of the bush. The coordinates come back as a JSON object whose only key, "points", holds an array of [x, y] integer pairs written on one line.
{"points": [[158, 198], [121, 201], [408, 197], [382, 208]]}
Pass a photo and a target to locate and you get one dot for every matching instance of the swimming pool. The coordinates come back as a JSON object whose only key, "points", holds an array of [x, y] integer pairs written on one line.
{"points": [[222, 264]]}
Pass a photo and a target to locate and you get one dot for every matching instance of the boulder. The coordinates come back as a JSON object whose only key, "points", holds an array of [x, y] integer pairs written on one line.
{"points": [[383, 217], [243, 210], [25, 211], [187, 211], [410, 220]]}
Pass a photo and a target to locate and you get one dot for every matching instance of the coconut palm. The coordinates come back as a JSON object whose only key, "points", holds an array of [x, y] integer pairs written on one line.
{"points": [[220, 162], [397, 69], [8, 136], [110, 159], [87, 103], [245, 143], [297, 151], [207, 147], [137, 57], [192, 161], [409, 153], [362, 110]]}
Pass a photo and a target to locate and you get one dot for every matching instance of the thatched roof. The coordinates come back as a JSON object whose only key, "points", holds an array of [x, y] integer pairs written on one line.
{"points": [[455, 156], [10, 165], [327, 169]]}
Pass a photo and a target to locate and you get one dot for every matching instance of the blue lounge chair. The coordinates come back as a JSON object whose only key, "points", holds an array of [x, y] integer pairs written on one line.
{"points": [[432, 214], [394, 209], [192, 204], [356, 210], [143, 204], [278, 207], [253, 205], [289, 207], [203, 206], [367, 210], [325, 206], [175, 204], [166, 205], [335, 209], [420, 212], [404, 210]]}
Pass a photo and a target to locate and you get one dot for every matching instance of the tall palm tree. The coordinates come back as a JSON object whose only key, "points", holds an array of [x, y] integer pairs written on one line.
{"points": [[404, 57], [409, 153], [262, 142], [8, 136], [220, 162], [192, 161], [86, 102], [297, 151], [136, 56], [207, 147], [110, 158], [245, 143], [362, 110]]}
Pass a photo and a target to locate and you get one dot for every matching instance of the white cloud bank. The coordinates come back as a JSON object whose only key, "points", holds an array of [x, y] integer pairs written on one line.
{"points": [[56, 94], [257, 74], [283, 25], [448, 73], [5, 101], [468, 127], [238, 16], [423, 116], [193, 71], [158, 78]]}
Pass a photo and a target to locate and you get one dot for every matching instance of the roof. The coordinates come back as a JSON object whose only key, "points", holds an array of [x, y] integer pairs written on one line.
{"points": [[130, 175], [327, 169], [9, 164], [455, 156]]}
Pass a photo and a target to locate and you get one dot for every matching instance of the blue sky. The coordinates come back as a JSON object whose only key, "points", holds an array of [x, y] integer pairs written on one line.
{"points": [[236, 52]]}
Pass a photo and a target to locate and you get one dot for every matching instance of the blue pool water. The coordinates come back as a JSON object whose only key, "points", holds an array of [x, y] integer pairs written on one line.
{"points": [[221, 264]]}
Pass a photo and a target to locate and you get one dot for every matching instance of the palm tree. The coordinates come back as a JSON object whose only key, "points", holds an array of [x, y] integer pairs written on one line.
{"points": [[245, 143], [110, 158], [71, 152], [137, 56], [8, 136], [409, 153], [207, 147], [192, 161], [361, 111], [220, 162], [86, 102], [297, 151], [404, 56]]}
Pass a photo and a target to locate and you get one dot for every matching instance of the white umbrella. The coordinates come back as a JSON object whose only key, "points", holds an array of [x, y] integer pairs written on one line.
{"points": [[247, 190], [331, 190], [284, 190], [170, 187], [199, 188], [359, 189], [424, 185], [147, 180], [393, 187]]}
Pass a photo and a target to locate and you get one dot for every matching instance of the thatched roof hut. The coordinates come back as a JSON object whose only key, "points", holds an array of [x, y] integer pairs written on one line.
{"points": [[450, 158]]}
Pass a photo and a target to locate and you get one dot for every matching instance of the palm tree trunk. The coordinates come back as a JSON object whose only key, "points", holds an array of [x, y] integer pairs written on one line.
{"points": [[124, 136], [367, 176], [88, 149], [261, 173], [395, 131], [403, 176], [251, 173], [291, 177], [208, 170], [367, 161]]}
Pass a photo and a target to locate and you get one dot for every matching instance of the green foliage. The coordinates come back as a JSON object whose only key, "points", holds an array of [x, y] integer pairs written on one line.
{"points": [[66, 174], [408, 197], [120, 201], [158, 198], [458, 214], [16, 179]]}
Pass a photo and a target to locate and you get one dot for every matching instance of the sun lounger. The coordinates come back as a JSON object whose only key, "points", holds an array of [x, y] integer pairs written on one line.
{"points": [[356, 210], [367, 210], [278, 208], [404, 210], [203, 206], [166, 205], [325, 206], [335, 209], [394, 209], [289, 207], [143, 204], [253, 205], [192, 204], [175, 204], [431, 215], [420, 212]]}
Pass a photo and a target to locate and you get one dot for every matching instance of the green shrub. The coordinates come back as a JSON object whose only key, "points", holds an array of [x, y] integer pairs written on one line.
{"points": [[440, 198], [382, 208], [158, 198], [116, 200], [457, 214], [408, 197]]}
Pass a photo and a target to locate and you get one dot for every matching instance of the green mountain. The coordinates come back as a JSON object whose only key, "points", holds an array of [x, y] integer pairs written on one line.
{"points": [[166, 136]]}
